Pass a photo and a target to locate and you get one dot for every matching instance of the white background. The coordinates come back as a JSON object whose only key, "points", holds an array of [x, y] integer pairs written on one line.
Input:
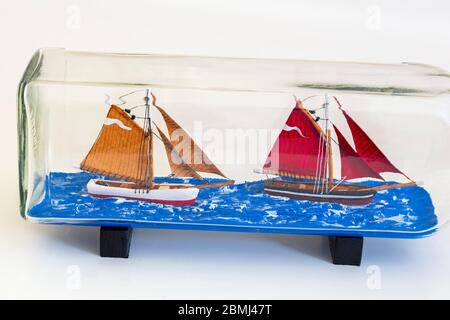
{"points": [[62, 262]]}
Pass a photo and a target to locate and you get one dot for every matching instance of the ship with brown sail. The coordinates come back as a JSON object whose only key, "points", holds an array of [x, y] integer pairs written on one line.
{"points": [[124, 151], [302, 158]]}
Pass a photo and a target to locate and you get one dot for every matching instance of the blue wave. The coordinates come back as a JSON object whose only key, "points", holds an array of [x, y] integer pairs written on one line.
{"points": [[402, 212]]}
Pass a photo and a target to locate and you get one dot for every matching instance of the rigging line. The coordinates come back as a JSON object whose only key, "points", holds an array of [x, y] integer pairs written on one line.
{"points": [[325, 171], [407, 177], [323, 164], [149, 128], [325, 180], [317, 169], [339, 104], [318, 165], [338, 183], [160, 139], [320, 184], [317, 175], [307, 98], [154, 133], [148, 149], [300, 159], [332, 139], [134, 107], [142, 118], [319, 172], [140, 155], [327, 117], [321, 168], [127, 94], [141, 172], [316, 109], [147, 134]]}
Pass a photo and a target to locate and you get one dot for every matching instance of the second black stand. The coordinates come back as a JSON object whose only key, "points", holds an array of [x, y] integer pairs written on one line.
{"points": [[115, 242], [346, 250]]}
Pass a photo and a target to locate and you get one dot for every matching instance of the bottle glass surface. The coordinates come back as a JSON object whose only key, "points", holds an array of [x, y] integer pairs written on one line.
{"points": [[280, 145]]}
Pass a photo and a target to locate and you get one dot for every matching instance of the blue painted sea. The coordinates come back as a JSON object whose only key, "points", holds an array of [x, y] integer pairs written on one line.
{"points": [[404, 212]]}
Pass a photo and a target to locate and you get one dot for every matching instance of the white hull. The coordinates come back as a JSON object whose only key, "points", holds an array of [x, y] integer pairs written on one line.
{"points": [[163, 194]]}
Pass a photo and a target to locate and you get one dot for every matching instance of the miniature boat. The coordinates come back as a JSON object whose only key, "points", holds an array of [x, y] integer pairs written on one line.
{"points": [[124, 150], [302, 157], [171, 194]]}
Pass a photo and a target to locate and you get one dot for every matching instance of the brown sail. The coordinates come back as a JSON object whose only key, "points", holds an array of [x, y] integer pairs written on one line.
{"points": [[122, 150], [188, 150], [178, 167]]}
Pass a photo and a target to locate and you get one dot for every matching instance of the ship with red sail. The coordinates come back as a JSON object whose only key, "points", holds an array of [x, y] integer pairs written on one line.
{"points": [[124, 151], [302, 158]]}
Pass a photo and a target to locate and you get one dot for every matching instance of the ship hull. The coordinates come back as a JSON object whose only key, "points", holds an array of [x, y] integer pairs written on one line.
{"points": [[170, 194], [352, 195]]}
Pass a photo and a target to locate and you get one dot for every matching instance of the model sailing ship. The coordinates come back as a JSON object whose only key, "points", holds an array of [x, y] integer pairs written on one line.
{"points": [[302, 156], [124, 151]]}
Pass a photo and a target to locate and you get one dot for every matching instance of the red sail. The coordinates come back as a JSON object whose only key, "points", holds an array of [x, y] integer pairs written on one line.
{"points": [[296, 151], [367, 149], [352, 166]]}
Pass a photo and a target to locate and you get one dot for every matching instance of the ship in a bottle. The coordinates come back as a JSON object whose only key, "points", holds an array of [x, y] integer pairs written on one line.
{"points": [[302, 160], [124, 152]]}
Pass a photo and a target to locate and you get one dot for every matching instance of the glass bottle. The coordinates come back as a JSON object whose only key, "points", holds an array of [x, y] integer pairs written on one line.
{"points": [[274, 140]]}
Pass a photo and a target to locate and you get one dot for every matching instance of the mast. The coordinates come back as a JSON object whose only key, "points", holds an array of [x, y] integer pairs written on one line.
{"points": [[328, 148], [330, 161], [327, 141], [319, 164], [323, 174], [149, 133]]}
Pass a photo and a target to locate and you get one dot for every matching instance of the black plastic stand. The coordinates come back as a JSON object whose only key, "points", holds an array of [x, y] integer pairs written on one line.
{"points": [[115, 242], [346, 250]]}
